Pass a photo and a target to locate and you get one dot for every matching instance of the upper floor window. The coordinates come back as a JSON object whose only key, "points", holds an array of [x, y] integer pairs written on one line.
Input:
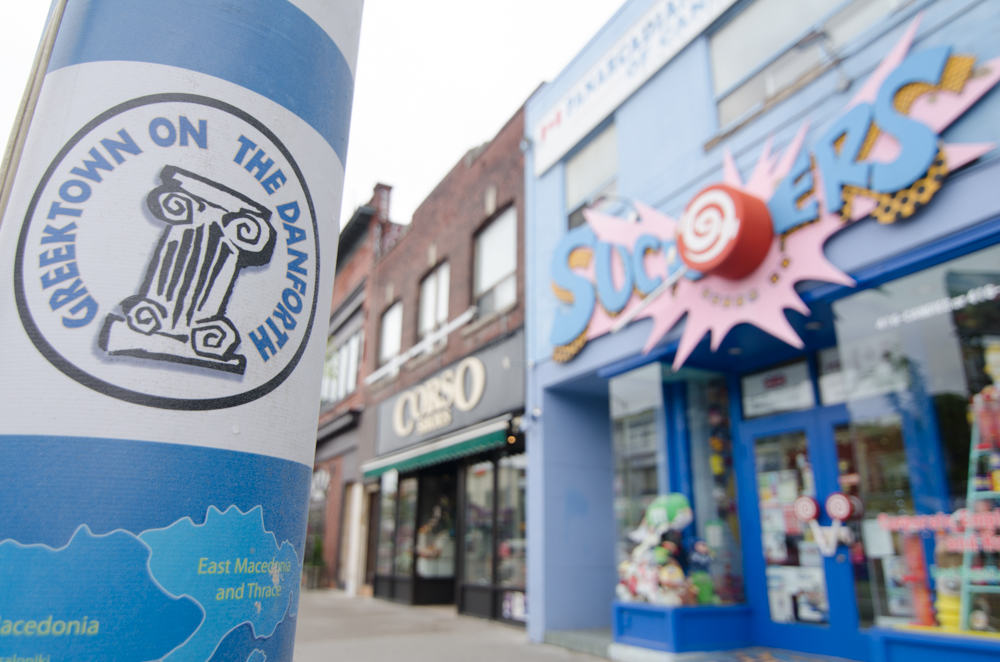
{"points": [[434, 300], [496, 264], [591, 174], [774, 44], [390, 339], [340, 371]]}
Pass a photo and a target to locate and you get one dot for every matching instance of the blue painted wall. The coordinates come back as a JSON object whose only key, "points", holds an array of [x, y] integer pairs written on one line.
{"points": [[662, 132], [577, 497]]}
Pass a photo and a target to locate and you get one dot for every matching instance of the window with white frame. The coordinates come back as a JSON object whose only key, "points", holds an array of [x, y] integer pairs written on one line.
{"points": [[340, 371], [592, 175], [772, 45], [392, 332], [496, 264], [434, 300]]}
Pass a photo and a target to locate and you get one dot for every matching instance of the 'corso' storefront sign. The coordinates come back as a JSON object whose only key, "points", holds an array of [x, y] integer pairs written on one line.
{"points": [[428, 407], [475, 389], [739, 248]]}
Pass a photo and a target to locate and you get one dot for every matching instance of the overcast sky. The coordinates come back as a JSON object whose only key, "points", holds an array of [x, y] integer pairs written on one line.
{"points": [[435, 78]]}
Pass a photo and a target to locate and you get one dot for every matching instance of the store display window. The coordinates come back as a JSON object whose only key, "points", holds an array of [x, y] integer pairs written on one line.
{"points": [[713, 473], [511, 521], [640, 460], [495, 553], [387, 522], [405, 526], [675, 489], [917, 364], [436, 527], [479, 523]]}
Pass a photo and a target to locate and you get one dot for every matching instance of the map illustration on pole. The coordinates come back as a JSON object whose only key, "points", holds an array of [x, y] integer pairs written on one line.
{"points": [[163, 321]]}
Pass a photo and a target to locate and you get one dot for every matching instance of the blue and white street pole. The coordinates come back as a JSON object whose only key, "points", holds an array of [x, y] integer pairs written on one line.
{"points": [[168, 240]]}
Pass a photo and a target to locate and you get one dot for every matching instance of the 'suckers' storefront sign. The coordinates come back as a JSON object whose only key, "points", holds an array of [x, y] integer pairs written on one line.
{"points": [[739, 248]]}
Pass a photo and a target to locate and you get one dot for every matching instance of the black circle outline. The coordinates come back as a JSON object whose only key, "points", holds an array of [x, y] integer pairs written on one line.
{"points": [[105, 388]]}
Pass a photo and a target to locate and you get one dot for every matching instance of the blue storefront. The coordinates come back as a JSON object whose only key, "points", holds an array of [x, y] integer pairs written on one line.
{"points": [[763, 249]]}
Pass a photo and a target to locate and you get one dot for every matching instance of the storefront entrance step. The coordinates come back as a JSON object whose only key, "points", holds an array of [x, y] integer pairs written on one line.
{"points": [[593, 642], [627, 653]]}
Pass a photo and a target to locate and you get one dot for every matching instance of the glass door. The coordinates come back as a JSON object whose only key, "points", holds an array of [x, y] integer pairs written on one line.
{"points": [[793, 564], [477, 592], [803, 598], [435, 539]]}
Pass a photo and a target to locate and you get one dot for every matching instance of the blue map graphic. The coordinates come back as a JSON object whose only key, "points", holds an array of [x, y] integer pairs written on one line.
{"points": [[232, 567], [90, 600], [239, 643], [181, 593], [87, 547]]}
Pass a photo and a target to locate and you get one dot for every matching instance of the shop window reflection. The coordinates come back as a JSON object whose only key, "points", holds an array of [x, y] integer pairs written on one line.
{"points": [[675, 488], [479, 524], [636, 482], [404, 532], [912, 354], [387, 522], [511, 524], [796, 579], [714, 477], [436, 528], [871, 465]]}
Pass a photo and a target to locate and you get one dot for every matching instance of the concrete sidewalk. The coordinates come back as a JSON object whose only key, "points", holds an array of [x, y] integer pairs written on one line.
{"points": [[334, 627]]}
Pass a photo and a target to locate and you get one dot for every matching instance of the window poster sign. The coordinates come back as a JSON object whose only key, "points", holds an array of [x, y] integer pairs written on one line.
{"points": [[739, 248], [168, 232]]}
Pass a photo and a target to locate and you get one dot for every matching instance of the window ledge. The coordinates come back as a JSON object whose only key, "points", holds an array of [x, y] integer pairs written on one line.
{"points": [[768, 104], [424, 357], [486, 320], [386, 379]]}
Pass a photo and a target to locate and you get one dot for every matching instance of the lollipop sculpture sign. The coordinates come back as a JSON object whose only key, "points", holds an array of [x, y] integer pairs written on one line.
{"points": [[840, 508], [739, 247]]}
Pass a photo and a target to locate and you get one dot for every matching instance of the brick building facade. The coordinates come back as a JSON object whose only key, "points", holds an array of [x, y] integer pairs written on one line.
{"points": [[368, 234], [441, 383]]}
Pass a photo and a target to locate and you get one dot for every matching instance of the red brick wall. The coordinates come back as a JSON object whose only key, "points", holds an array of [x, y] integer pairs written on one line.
{"points": [[355, 270], [449, 219], [331, 531]]}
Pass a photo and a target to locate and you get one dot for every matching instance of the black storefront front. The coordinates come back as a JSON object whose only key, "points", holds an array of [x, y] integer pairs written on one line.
{"points": [[450, 526]]}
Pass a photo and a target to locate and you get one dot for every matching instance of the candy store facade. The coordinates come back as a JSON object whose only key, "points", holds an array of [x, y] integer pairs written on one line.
{"points": [[763, 331]]}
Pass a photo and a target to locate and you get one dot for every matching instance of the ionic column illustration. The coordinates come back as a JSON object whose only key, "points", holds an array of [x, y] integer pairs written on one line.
{"points": [[179, 313]]}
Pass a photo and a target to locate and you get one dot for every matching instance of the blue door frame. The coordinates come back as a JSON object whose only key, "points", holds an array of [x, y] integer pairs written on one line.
{"points": [[841, 636]]}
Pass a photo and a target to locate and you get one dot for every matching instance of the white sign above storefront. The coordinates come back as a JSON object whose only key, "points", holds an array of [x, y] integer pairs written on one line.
{"points": [[788, 388], [428, 407], [651, 42], [475, 389]]}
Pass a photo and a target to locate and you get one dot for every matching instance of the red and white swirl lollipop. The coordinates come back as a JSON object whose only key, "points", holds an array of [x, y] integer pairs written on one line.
{"points": [[806, 509], [839, 507], [725, 231]]}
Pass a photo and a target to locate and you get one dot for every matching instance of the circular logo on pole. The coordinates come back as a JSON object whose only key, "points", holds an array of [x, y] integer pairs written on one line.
{"points": [[838, 506], [806, 508], [725, 231], [170, 256]]}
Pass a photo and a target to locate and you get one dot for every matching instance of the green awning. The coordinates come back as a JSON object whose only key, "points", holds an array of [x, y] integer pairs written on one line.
{"points": [[474, 441]]}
